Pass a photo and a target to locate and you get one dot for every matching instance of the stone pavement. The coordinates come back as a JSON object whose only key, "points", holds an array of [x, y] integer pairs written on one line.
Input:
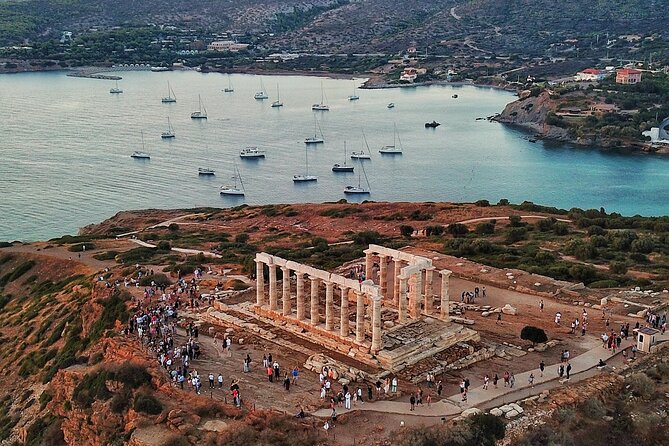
{"points": [[477, 396]]}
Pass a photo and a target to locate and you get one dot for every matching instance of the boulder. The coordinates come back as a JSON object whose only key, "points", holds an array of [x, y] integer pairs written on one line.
{"points": [[509, 309], [215, 426], [506, 408], [541, 347], [240, 341], [511, 414], [604, 301], [496, 412], [470, 412], [516, 407], [485, 314]]}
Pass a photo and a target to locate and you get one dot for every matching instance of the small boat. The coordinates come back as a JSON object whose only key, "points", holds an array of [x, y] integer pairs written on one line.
{"points": [[362, 155], [233, 189], [359, 189], [229, 88], [171, 97], [391, 105], [278, 102], [315, 139], [392, 150], [322, 106], [252, 152], [140, 155], [455, 96], [342, 167], [159, 69], [169, 133], [205, 171], [261, 95], [354, 96], [201, 113], [115, 90], [433, 124], [306, 177]]}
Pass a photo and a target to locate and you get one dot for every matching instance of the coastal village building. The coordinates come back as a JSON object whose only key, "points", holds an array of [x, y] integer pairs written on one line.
{"points": [[410, 74], [628, 76], [227, 45], [590, 75]]}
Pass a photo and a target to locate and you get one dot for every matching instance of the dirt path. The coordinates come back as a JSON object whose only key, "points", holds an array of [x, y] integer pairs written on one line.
{"points": [[60, 252], [526, 217]]}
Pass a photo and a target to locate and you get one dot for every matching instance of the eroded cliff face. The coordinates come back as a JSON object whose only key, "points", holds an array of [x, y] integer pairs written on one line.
{"points": [[530, 113]]}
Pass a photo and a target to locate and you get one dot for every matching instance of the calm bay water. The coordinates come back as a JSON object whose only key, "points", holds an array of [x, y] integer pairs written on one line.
{"points": [[65, 145]]}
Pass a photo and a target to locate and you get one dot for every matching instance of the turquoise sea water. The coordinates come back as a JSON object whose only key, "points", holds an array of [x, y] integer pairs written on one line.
{"points": [[65, 146]]}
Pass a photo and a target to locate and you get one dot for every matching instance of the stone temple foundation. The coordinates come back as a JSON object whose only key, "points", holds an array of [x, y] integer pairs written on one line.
{"points": [[393, 318]]}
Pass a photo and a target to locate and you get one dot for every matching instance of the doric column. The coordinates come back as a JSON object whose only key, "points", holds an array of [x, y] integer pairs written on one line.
{"points": [[445, 279], [315, 317], [429, 293], [343, 322], [396, 279], [272, 288], [260, 283], [368, 265], [329, 306], [299, 278], [360, 317], [376, 324], [383, 274], [286, 290], [402, 304], [416, 295]]}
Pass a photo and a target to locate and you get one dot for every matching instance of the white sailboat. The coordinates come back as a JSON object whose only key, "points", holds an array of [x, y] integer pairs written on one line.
{"points": [[171, 97], [315, 139], [354, 96], [141, 155], [201, 113], [116, 89], [205, 171], [322, 106], [393, 150], [306, 177], [251, 152], [234, 189], [229, 88], [169, 133], [359, 189], [362, 155], [278, 102], [261, 95], [342, 167]]}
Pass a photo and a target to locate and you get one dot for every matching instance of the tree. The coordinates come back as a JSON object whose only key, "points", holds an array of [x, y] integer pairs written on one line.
{"points": [[533, 334], [406, 231], [457, 229]]}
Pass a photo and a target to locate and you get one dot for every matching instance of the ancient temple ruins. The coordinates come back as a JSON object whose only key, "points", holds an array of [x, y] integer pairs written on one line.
{"points": [[396, 310]]}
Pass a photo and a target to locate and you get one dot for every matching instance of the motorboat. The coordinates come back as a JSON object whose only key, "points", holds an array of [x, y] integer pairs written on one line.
{"points": [[433, 124], [391, 105], [140, 155], [251, 152], [205, 171]]}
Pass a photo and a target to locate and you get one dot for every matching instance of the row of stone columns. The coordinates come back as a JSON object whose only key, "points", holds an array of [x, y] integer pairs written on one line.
{"points": [[314, 313]]}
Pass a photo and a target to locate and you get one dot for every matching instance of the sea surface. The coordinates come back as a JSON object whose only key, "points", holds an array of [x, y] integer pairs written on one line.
{"points": [[65, 146]]}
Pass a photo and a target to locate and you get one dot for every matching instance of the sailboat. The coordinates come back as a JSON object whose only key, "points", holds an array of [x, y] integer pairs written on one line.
{"points": [[169, 133], [229, 88], [278, 102], [359, 189], [233, 189], [115, 90], [141, 155], [393, 150], [322, 106], [261, 94], [362, 155], [171, 97], [205, 171], [354, 96], [201, 113], [306, 177], [342, 167], [315, 139]]}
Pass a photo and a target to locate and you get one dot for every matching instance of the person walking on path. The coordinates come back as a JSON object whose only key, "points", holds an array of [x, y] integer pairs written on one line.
{"points": [[512, 380], [393, 386], [530, 379], [542, 366], [541, 306], [286, 383], [220, 380], [347, 400], [211, 380], [568, 370], [494, 380], [428, 399], [499, 318], [295, 374], [462, 390], [506, 378], [440, 387], [412, 402], [270, 374], [486, 378]]}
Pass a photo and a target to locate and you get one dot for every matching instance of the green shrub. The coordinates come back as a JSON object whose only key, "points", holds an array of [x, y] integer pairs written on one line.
{"points": [[113, 309], [164, 245], [173, 227], [487, 227], [148, 404], [533, 334], [608, 283], [596, 230], [640, 385], [593, 408], [5, 244], [618, 267], [368, 238], [406, 231], [515, 221], [546, 224], [242, 238], [457, 229], [17, 272], [583, 273], [482, 203], [503, 202], [107, 255], [643, 244], [91, 388], [516, 234], [80, 247], [561, 228]]}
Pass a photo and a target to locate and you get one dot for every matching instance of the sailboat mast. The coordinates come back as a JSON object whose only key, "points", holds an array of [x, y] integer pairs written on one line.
{"points": [[306, 160]]}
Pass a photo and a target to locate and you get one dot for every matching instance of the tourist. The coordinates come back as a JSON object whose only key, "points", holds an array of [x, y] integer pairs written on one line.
{"points": [[359, 395], [412, 402], [530, 379], [512, 380], [499, 318], [541, 306], [440, 388], [634, 352], [568, 370], [419, 396], [295, 374], [369, 393], [322, 392], [462, 390], [270, 374], [542, 366], [326, 426], [211, 380], [386, 386], [378, 387], [558, 317], [264, 361], [220, 381], [494, 380], [286, 382], [561, 370], [393, 386], [277, 372], [486, 378], [428, 399], [506, 378], [347, 399], [483, 292]]}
